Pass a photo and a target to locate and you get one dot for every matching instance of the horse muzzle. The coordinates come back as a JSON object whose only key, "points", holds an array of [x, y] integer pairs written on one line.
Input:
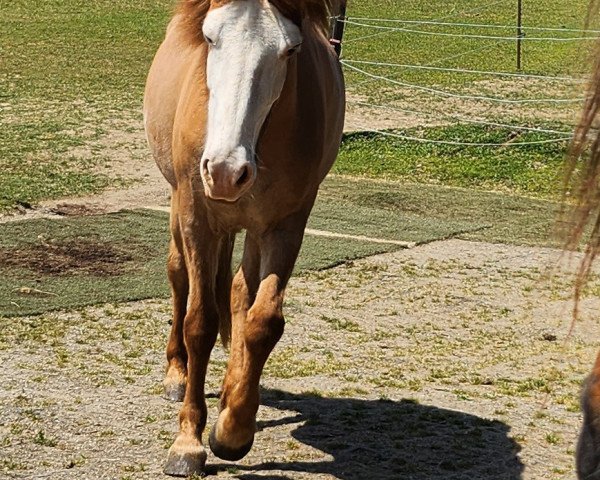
{"points": [[227, 179]]}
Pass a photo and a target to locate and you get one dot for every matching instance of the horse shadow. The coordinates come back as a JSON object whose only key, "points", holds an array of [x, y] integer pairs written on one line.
{"points": [[383, 439]]}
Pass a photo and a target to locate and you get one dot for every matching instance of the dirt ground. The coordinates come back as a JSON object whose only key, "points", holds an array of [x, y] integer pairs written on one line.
{"points": [[447, 361]]}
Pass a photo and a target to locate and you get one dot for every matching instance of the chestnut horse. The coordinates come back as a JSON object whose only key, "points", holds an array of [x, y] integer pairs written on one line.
{"points": [[583, 178], [244, 110]]}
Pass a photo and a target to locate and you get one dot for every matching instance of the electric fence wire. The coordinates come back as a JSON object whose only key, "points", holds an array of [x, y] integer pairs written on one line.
{"points": [[467, 71], [462, 119], [444, 93], [474, 25], [566, 136], [509, 143], [466, 35], [453, 14]]}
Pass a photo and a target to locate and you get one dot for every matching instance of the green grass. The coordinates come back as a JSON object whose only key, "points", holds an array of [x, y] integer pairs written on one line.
{"points": [[142, 236], [493, 217], [65, 50], [531, 170], [134, 267], [41, 166], [431, 108], [134, 244]]}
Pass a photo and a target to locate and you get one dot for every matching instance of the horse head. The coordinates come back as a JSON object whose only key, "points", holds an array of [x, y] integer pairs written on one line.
{"points": [[250, 43]]}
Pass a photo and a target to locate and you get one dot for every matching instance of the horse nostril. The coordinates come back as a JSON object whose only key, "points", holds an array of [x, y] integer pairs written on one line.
{"points": [[204, 167], [243, 177]]}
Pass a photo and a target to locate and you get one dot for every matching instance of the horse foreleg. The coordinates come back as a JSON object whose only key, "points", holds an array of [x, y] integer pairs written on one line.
{"points": [[187, 454], [175, 379], [256, 331]]}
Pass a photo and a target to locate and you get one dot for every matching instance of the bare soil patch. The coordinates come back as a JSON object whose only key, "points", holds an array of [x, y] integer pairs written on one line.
{"points": [[76, 210], [81, 256]]}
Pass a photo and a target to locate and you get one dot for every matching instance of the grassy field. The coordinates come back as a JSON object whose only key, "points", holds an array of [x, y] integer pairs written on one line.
{"points": [[71, 70], [534, 170], [470, 53]]}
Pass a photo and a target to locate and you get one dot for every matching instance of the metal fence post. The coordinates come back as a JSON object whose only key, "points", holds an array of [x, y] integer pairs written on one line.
{"points": [[338, 28], [519, 32]]}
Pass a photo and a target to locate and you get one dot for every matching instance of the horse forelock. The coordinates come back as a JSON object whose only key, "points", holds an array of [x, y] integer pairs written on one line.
{"points": [[317, 11], [193, 13]]}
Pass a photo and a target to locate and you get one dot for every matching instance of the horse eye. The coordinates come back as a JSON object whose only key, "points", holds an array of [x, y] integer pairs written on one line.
{"points": [[293, 50], [209, 40]]}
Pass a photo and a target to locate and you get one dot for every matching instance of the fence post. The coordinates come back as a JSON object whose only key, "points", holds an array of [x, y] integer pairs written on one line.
{"points": [[338, 28], [519, 32]]}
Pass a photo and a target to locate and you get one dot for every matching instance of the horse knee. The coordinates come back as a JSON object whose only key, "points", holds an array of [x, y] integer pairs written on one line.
{"points": [[176, 270], [263, 330]]}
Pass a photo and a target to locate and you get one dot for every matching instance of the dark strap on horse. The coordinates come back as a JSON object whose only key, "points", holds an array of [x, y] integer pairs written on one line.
{"points": [[338, 29]]}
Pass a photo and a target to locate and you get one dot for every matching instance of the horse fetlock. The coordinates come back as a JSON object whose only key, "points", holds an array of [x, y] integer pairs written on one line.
{"points": [[175, 382], [187, 456], [231, 439]]}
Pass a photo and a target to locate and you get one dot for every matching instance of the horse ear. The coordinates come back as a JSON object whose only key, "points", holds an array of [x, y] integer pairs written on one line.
{"points": [[290, 10], [193, 13]]}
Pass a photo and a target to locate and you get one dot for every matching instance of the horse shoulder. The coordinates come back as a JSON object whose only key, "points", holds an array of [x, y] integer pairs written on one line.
{"points": [[162, 98]]}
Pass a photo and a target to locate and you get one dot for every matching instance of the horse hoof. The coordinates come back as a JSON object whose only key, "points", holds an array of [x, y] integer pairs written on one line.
{"points": [[175, 392], [227, 453], [174, 383], [183, 462]]}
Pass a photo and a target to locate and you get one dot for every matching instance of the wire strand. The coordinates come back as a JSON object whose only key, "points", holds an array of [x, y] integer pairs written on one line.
{"points": [[475, 25], [464, 35], [462, 70], [453, 14], [463, 119], [496, 40], [461, 144], [444, 93]]}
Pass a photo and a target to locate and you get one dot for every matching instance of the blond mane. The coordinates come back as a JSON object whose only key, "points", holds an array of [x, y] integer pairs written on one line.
{"points": [[193, 13]]}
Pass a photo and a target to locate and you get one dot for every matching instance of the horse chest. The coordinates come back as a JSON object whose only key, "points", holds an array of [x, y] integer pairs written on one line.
{"points": [[259, 211]]}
